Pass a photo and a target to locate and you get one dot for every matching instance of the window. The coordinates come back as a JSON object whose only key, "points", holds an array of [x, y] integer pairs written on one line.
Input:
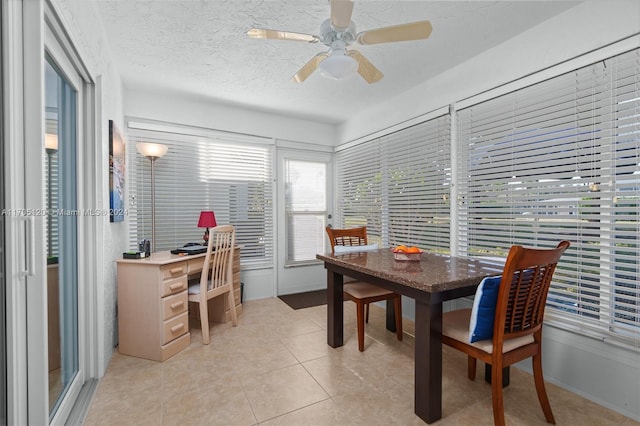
{"points": [[418, 163], [203, 170], [305, 210], [398, 185], [359, 191], [561, 160]]}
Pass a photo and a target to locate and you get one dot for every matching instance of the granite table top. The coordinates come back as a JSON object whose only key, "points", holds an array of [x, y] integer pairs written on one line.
{"points": [[432, 273]]}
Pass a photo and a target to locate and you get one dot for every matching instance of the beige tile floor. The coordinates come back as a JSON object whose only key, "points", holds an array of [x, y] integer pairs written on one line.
{"points": [[275, 368]]}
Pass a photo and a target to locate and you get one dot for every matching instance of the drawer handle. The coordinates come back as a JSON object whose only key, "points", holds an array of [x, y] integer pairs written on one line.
{"points": [[177, 328], [176, 286], [175, 271], [176, 305]]}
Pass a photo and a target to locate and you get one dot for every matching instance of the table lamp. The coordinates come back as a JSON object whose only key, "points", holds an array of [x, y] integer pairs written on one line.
{"points": [[207, 220], [152, 151]]}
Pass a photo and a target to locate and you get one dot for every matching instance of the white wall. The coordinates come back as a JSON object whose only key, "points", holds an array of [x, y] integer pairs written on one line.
{"points": [[597, 370], [196, 112], [85, 28]]}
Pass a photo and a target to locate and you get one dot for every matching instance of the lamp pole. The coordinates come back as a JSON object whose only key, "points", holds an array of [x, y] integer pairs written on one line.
{"points": [[153, 206]]}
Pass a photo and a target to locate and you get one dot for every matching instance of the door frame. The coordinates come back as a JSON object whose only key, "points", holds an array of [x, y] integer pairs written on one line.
{"points": [[3, 286], [312, 274], [23, 68], [14, 19]]}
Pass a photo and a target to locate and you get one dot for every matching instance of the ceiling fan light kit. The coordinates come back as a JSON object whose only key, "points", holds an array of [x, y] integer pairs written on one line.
{"points": [[338, 32], [338, 66]]}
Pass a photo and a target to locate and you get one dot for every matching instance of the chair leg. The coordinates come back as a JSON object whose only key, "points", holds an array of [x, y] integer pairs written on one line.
{"points": [[204, 321], [397, 305], [232, 307], [366, 315], [540, 388], [496, 395], [471, 367], [360, 313]]}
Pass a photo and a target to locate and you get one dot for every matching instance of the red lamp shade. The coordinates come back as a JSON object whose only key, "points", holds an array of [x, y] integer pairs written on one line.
{"points": [[207, 220]]}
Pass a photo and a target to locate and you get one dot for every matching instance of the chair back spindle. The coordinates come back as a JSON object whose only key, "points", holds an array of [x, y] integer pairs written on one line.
{"points": [[219, 258], [523, 290]]}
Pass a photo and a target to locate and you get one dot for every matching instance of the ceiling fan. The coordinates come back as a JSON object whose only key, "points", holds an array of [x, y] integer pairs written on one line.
{"points": [[339, 32]]}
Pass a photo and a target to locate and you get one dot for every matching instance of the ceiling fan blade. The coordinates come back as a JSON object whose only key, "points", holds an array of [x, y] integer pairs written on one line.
{"points": [[281, 35], [365, 68], [404, 32], [308, 68], [341, 13]]}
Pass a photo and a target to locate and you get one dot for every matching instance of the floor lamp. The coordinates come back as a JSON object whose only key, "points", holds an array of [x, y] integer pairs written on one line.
{"points": [[152, 151]]}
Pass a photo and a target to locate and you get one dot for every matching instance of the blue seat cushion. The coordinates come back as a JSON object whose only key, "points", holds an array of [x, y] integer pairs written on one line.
{"points": [[484, 309]]}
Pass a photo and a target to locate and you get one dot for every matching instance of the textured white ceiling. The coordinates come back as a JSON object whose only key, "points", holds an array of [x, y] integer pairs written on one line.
{"points": [[199, 48]]}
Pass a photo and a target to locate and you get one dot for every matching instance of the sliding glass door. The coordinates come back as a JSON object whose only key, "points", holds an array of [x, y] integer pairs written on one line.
{"points": [[62, 256]]}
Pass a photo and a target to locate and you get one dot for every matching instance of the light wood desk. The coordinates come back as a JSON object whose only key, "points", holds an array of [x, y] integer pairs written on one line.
{"points": [[153, 312]]}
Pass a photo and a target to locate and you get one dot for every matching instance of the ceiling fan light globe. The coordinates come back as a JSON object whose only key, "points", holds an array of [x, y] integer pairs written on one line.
{"points": [[338, 67]]}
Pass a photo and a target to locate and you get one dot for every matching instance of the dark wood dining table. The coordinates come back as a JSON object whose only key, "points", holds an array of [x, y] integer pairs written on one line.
{"points": [[430, 281]]}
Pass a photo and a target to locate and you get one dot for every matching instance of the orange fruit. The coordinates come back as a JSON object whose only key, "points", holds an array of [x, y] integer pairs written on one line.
{"points": [[413, 249], [401, 248]]}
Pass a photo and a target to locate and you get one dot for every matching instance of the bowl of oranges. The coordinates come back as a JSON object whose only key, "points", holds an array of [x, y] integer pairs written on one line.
{"points": [[404, 253]]}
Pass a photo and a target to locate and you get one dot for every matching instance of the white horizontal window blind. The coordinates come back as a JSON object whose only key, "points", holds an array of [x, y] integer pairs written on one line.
{"points": [[417, 161], [560, 160], [51, 204], [398, 185], [231, 177], [305, 210], [52, 193], [359, 189]]}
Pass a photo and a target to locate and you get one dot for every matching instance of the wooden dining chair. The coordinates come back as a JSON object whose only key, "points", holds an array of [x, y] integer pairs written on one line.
{"points": [[505, 324], [362, 293], [216, 277]]}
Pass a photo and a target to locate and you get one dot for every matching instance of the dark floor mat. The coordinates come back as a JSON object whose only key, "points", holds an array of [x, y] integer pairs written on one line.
{"points": [[306, 299]]}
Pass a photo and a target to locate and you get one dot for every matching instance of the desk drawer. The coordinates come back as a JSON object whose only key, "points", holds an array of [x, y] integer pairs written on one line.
{"points": [[173, 270], [174, 305], [175, 327], [174, 286], [195, 265]]}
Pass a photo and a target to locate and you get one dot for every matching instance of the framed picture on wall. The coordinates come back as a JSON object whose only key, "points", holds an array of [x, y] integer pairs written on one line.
{"points": [[116, 174]]}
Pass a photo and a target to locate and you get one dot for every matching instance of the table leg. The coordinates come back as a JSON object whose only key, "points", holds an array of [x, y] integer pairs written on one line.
{"points": [[428, 361], [335, 309], [391, 316]]}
